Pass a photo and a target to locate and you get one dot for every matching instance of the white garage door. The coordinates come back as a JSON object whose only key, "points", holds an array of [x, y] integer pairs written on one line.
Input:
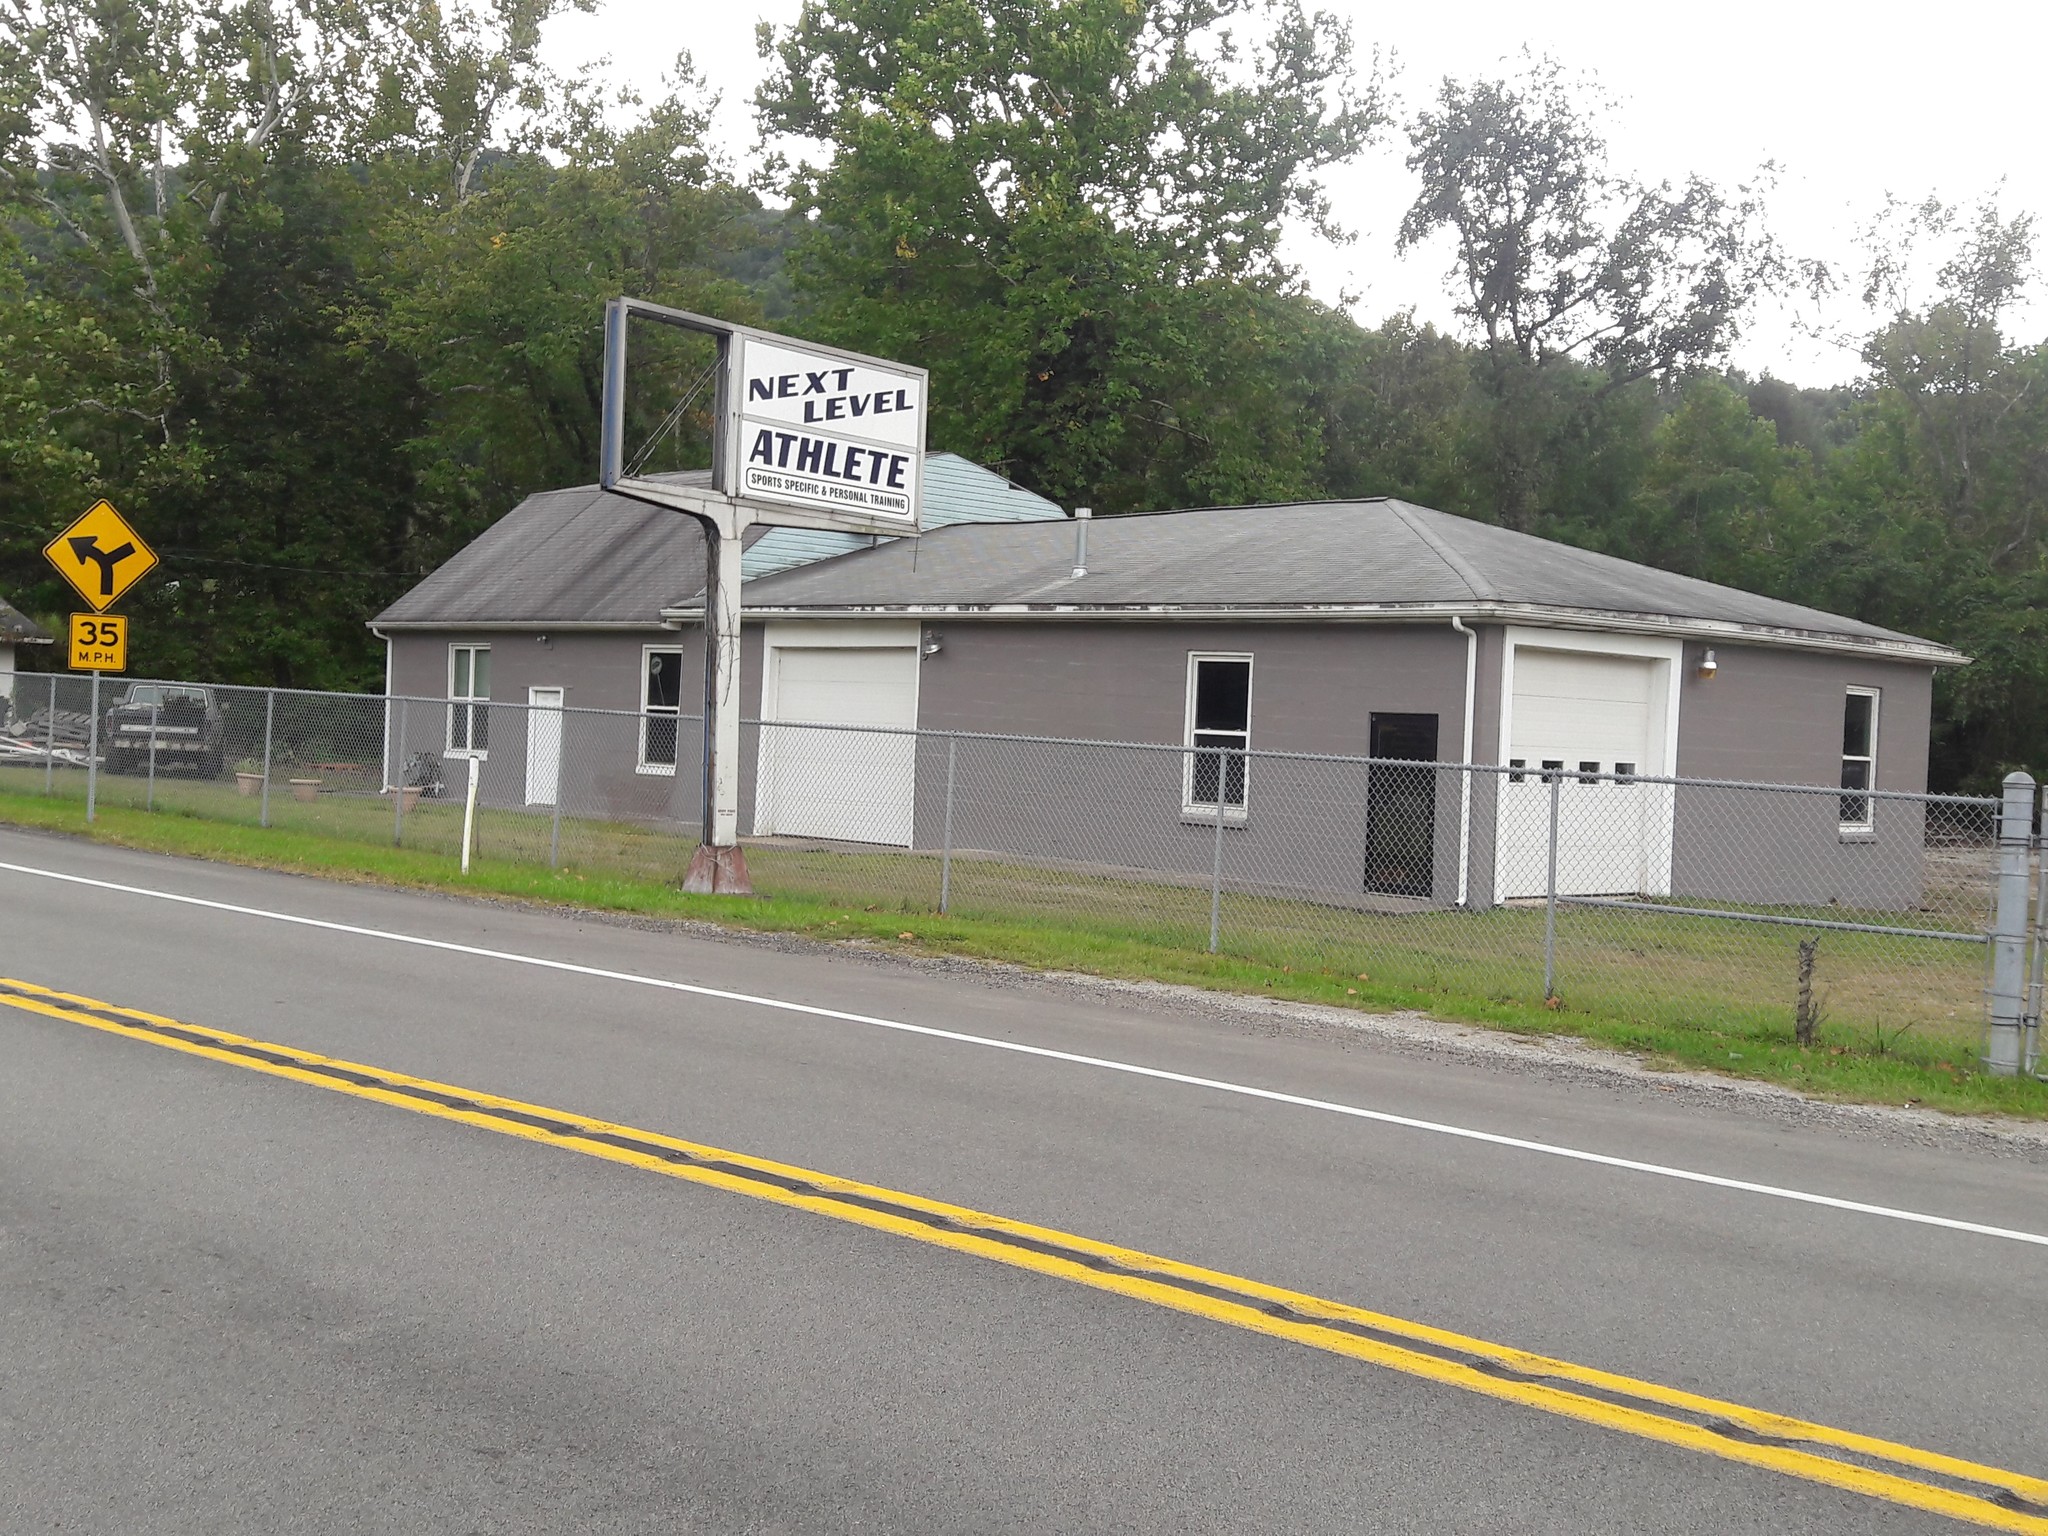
{"points": [[852, 786], [1580, 713]]}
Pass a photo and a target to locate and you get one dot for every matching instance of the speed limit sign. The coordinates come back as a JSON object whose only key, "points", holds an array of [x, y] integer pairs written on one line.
{"points": [[99, 642]]}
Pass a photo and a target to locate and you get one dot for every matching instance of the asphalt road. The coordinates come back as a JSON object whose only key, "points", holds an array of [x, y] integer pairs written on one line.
{"points": [[231, 1303]]}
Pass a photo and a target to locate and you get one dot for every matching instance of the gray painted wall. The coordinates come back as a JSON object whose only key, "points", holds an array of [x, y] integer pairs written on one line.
{"points": [[1768, 715], [1775, 717], [1315, 688]]}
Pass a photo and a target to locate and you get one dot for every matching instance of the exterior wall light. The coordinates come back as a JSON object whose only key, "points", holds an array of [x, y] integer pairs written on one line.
{"points": [[934, 642], [1709, 666]]}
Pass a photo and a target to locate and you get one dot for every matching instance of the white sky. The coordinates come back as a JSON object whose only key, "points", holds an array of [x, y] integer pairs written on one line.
{"points": [[1852, 101]]}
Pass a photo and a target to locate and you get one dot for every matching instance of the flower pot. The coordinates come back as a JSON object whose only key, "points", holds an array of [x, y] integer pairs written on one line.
{"points": [[307, 790], [411, 794], [247, 783]]}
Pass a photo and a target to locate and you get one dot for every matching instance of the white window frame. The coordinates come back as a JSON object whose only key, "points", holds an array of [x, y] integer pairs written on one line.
{"points": [[1867, 827], [1203, 810], [469, 702], [649, 711]]}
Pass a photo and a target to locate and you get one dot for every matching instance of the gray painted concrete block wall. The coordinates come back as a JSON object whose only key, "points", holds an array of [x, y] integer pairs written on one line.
{"points": [[1775, 717], [1768, 715], [1315, 688]]}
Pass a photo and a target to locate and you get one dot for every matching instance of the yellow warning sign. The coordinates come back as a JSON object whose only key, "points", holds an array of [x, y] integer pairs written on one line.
{"points": [[99, 642], [101, 556]]}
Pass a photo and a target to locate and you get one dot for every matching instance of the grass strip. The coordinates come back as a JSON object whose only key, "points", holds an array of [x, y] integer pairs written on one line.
{"points": [[1845, 1064]]}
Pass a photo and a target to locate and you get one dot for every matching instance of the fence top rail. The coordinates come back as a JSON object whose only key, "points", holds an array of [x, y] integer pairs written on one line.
{"points": [[1252, 754], [1269, 754]]}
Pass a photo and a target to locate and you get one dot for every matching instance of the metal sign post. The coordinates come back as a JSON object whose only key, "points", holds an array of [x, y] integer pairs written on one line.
{"points": [[803, 436]]}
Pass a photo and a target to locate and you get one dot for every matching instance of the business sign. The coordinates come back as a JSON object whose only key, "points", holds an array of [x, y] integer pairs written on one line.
{"points": [[801, 435], [100, 555], [99, 642], [822, 430]]}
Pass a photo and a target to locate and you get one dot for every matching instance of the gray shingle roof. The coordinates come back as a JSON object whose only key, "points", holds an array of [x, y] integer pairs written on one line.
{"points": [[18, 628], [955, 491], [1381, 555], [583, 556], [578, 556]]}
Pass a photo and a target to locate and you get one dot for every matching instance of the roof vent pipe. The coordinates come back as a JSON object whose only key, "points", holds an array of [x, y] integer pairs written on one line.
{"points": [[1082, 517]]}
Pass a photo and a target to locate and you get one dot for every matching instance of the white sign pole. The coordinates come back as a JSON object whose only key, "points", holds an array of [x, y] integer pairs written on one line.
{"points": [[720, 864], [807, 437]]}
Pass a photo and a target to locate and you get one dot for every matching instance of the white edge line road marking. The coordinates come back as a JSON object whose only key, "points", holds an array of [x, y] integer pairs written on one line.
{"points": [[1046, 1053]]}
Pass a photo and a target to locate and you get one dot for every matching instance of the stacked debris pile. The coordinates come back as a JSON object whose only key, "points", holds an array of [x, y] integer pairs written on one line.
{"points": [[63, 736]]}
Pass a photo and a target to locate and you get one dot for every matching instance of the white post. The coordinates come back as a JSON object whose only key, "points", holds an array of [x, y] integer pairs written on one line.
{"points": [[719, 864], [468, 813], [2008, 994]]}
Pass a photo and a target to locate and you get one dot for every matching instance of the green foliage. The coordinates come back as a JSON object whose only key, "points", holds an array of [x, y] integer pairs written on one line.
{"points": [[312, 290], [1071, 209]]}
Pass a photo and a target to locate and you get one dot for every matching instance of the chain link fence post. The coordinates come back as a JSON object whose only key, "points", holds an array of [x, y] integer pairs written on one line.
{"points": [[2037, 939], [269, 721], [1550, 897], [1216, 856], [946, 842], [50, 743], [92, 756], [400, 772], [2004, 1024], [149, 800]]}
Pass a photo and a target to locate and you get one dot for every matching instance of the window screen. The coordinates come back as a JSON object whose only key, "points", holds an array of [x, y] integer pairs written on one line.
{"points": [[661, 703], [1859, 754], [1220, 719], [469, 693]]}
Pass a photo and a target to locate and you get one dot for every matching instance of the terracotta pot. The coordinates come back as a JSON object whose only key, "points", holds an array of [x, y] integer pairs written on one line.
{"points": [[411, 793], [248, 783], [307, 790]]}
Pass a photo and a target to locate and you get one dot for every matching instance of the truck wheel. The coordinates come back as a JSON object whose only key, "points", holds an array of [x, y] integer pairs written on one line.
{"points": [[209, 765]]}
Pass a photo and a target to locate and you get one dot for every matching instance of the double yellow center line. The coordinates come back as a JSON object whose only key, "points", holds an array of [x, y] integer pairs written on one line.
{"points": [[1899, 1474]]}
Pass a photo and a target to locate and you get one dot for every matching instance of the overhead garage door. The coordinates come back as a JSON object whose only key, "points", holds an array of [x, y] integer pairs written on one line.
{"points": [[1590, 719], [853, 786]]}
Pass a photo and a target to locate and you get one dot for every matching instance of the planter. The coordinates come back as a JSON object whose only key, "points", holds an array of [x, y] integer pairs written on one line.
{"points": [[247, 783], [307, 790], [411, 792]]}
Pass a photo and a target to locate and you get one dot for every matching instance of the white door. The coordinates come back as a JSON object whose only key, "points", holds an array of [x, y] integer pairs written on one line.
{"points": [[1578, 714], [543, 745], [853, 786]]}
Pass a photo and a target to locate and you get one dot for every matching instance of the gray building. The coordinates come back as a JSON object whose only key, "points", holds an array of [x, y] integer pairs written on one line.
{"points": [[1353, 629], [16, 629]]}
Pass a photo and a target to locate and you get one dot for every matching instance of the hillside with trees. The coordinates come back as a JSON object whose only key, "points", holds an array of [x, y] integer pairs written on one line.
{"points": [[313, 293]]}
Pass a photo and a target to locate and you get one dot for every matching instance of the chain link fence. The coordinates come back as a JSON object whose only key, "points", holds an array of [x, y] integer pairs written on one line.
{"points": [[1469, 887]]}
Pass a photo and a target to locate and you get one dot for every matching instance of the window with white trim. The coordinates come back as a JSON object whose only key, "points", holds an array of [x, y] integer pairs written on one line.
{"points": [[469, 698], [661, 706], [1219, 718], [1859, 756]]}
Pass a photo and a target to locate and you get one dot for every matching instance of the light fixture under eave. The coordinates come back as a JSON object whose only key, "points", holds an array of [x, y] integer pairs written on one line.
{"points": [[934, 642], [1709, 666]]}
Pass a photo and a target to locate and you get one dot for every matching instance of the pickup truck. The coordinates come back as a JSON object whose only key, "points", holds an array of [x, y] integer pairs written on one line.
{"points": [[189, 724]]}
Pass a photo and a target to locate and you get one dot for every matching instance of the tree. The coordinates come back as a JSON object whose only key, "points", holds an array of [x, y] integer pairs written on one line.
{"points": [[495, 295], [1560, 260], [1071, 210]]}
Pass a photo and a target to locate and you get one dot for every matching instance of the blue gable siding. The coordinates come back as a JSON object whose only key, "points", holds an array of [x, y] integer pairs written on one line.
{"points": [[955, 491]]}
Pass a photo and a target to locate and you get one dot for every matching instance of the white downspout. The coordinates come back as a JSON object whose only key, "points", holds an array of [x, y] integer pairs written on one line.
{"points": [[1465, 786], [397, 774]]}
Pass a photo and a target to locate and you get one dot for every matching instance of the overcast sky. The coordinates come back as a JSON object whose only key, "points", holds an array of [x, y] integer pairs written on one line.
{"points": [[1852, 101]]}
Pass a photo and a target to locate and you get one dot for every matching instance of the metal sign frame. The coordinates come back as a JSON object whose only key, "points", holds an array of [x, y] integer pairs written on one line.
{"points": [[729, 409], [726, 510]]}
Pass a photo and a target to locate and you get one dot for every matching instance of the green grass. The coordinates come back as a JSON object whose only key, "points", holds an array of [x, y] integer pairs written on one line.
{"points": [[1901, 1018]]}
